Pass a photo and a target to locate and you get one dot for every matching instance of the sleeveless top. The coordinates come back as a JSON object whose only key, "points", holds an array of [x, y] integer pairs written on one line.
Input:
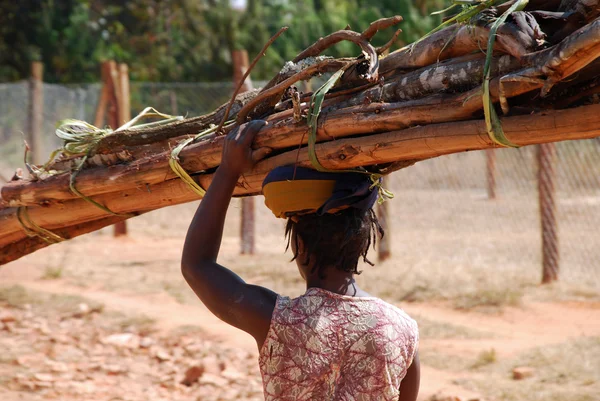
{"points": [[325, 346]]}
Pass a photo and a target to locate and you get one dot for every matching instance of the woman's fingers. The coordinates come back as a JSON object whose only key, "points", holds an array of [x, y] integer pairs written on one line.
{"points": [[251, 130], [261, 153]]}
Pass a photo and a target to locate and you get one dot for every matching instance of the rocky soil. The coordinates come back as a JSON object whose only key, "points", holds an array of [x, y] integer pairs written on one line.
{"points": [[84, 353]]}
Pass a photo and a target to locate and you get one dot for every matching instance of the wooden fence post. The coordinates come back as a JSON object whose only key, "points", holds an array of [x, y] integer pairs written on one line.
{"points": [[549, 229], [239, 60], [490, 172], [123, 114], [383, 249], [114, 99], [36, 111]]}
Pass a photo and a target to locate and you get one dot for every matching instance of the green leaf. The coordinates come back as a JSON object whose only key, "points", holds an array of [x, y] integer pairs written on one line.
{"points": [[492, 121]]}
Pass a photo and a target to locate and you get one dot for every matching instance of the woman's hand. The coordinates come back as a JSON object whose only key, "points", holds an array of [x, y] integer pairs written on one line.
{"points": [[238, 155]]}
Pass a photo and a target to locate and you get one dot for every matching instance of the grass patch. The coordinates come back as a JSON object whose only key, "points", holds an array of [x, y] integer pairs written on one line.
{"points": [[140, 324], [187, 329], [52, 273], [567, 371], [444, 361], [176, 291], [430, 329], [485, 358], [492, 300], [17, 296]]}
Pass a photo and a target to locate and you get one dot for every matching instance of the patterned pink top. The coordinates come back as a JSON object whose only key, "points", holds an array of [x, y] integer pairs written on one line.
{"points": [[325, 346]]}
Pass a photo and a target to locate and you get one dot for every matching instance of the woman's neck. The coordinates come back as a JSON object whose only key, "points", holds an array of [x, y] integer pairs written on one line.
{"points": [[336, 281]]}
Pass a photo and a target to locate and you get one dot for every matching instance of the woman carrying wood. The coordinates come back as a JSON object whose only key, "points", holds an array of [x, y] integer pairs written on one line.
{"points": [[335, 342]]}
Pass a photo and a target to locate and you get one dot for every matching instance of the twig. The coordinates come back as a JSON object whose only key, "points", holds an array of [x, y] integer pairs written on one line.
{"points": [[308, 72], [326, 42], [239, 85], [382, 49], [379, 25], [296, 106]]}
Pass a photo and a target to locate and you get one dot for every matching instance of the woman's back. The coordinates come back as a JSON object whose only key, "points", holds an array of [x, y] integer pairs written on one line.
{"points": [[333, 347]]}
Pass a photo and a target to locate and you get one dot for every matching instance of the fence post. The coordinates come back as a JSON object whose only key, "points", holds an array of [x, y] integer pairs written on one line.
{"points": [[239, 59], [384, 249], [115, 97], [546, 192], [36, 111], [490, 170], [123, 115], [104, 95]]}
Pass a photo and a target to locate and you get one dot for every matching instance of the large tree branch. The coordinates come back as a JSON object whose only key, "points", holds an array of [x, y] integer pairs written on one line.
{"points": [[411, 144]]}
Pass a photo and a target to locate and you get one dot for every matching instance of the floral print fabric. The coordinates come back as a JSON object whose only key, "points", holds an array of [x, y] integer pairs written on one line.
{"points": [[325, 346]]}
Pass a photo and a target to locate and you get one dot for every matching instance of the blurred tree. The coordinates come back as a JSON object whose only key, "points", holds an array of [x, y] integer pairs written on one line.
{"points": [[182, 40]]}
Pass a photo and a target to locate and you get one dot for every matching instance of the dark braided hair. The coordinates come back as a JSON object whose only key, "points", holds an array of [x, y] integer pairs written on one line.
{"points": [[339, 239]]}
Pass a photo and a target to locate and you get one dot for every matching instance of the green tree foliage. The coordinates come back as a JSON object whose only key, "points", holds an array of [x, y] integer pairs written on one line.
{"points": [[182, 40]]}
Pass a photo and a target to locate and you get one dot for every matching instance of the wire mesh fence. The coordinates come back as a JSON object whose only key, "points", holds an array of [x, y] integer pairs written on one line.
{"points": [[442, 215]]}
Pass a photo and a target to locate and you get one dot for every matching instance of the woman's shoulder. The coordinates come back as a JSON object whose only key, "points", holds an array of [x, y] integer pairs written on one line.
{"points": [[399, 316]]}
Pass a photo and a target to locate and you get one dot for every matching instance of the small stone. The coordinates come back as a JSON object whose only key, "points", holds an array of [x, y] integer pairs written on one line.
{"points": [[192, 375], [43, 377], [83, 309], [213, 365], [9, 326], [163, 356], [58, 367], [234, 375], [122, 340], [60, 338], [522, 372], [113, 369], [43, 328], [214, 380], [6, 317], [146, 342]]}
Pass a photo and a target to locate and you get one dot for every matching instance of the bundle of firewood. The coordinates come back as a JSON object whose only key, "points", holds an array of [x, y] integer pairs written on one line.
{"points": [[440, 95]]}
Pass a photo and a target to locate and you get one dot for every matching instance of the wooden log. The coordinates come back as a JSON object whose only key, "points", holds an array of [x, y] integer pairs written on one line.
{"points": [[454, 41], [29, 245], [282, 133], [556, 63], [411, 144]]}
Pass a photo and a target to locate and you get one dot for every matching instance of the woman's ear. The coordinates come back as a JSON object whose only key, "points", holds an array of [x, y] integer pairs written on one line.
{"points": [[299, 246]]}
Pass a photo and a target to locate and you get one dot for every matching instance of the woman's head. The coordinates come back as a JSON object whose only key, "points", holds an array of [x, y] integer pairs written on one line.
{"points": [[332, 240]]}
